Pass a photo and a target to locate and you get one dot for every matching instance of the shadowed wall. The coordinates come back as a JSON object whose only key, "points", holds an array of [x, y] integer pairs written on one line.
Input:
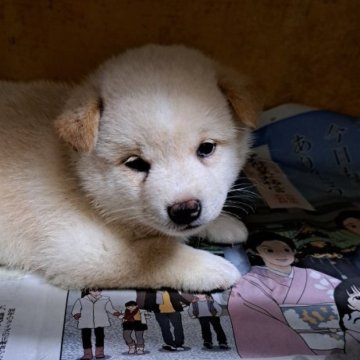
{"points": [[305, 51]]}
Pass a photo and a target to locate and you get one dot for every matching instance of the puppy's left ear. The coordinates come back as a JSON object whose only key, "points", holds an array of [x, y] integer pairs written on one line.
{"points": [[242, 94], [78, 124]]}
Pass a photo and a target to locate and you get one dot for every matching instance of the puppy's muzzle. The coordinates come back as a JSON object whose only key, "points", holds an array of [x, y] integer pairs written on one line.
{"points": [[184, 213]]}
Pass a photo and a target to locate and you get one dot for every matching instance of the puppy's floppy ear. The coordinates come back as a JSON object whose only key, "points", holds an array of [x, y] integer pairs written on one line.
{"points": [[79, 122], [242, 95]]}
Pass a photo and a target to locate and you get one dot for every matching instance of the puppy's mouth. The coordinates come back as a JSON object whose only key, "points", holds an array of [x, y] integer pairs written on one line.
{"points": [[190, 227], [185, 230]]}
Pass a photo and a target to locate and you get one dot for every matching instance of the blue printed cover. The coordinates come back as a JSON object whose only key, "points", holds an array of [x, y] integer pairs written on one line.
{"points": [[319, 151]]}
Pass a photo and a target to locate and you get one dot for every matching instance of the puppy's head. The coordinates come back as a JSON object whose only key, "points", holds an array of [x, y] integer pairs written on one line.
{"points": [[160, 134]]}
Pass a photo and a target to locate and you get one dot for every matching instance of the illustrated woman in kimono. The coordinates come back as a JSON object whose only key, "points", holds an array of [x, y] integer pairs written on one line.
{"points": [[347, 298], [279, 309]]}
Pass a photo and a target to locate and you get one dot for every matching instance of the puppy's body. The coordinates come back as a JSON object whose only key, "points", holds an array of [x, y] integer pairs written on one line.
{"points": [[148, 131]]}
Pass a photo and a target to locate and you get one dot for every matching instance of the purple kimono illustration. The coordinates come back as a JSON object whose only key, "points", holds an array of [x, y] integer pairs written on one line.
{"points": [[279, 309]]}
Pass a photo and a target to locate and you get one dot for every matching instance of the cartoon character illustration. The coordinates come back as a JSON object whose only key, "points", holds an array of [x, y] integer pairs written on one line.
{"points": [[347, 299], [350, 220], [167, 306], [134, 320], [208, 311], [91, 312], [318, 251], [279, 309]]}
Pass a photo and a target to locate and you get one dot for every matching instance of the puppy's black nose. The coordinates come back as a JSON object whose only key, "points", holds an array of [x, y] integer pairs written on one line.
{"points": [[186, 212]]}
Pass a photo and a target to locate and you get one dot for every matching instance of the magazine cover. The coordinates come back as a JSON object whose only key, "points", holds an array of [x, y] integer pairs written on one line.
{"points": [[299, 293]]}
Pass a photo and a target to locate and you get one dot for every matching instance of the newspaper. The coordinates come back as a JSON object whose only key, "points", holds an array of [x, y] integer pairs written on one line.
{"points": [[298, 299], [31, 317]]}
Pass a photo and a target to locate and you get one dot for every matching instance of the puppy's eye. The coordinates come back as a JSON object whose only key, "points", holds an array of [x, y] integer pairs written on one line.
{"points": [[138, 164], [206, 149]]}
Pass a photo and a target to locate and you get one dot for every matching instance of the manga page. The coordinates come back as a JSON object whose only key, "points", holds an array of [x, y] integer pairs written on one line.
{"points": [[300, 293], [159, 324]]}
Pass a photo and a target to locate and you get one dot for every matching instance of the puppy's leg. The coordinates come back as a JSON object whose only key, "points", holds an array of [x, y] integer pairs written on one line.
{"points": [[148, 263], [184, 267], [226, 229]]}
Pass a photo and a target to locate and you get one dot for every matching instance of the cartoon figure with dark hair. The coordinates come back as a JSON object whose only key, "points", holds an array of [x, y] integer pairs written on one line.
{"points": [[208, 311], [318, 251], [347, 299], [278, 309], [350, 220], [91, 312], [167, 306], [134, 320]]}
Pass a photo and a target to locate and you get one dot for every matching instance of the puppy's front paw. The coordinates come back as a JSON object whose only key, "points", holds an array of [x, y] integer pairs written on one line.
{"points": [[226, 229], [206, 272]]}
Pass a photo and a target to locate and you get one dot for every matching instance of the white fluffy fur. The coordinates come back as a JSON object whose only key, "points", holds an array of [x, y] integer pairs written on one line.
{"points": [[82, 217]]}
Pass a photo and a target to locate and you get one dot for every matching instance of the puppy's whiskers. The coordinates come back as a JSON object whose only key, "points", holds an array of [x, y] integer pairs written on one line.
{"points": [[231, 214]]}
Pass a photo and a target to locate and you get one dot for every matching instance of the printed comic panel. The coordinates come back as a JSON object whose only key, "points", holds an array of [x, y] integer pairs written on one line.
{"points": [[295, 300], [154, 323]]}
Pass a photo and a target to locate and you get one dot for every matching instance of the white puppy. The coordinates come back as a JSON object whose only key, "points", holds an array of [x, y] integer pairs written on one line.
{"points": [[98, 181]]}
